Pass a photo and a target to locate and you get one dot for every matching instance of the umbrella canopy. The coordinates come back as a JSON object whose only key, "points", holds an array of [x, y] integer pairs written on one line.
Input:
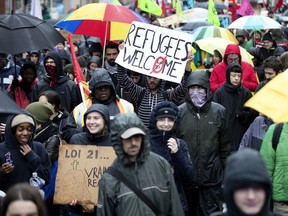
{"points": [[23, 32], [254, 22], [104, 20], [210, 44], [212, 32], [190, 26], [272, 99], [8, 106], [195, 14]]}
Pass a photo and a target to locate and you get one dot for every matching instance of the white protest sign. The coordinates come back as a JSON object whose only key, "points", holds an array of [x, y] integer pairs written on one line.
{"points": [[155, 51]]}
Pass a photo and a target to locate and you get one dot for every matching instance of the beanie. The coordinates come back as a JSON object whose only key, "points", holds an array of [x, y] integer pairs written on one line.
{"points": [[95, 59], [166, 112], [268, 36], [41, 111], [69, 69], [22, 118], [82, 61]]}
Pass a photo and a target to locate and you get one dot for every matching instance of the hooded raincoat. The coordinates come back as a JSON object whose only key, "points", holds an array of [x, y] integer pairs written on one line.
{"points": [[66, 88], [218, 76], [150, 173]]}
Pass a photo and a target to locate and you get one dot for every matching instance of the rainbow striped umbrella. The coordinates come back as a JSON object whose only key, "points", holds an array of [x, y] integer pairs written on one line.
{"points": [[212, 32], [104, 20]]}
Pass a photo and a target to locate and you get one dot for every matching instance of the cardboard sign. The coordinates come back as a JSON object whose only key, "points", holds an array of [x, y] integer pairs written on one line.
{"points": [[155, 51], [80, 168]]}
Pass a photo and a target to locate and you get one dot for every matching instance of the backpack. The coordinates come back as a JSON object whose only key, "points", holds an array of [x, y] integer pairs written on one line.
{"points": [[276, 135]]}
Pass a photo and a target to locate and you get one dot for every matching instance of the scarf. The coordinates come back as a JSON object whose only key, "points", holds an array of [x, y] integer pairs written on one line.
{"points": [[198, 97], [52, 74]]}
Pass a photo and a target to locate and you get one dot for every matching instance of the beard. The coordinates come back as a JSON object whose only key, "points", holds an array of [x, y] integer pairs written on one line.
{"points": [[112, 63]]}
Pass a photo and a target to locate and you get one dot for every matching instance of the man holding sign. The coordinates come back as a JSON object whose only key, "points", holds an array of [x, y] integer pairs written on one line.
{"points": [[147, 171], [153, 51]]}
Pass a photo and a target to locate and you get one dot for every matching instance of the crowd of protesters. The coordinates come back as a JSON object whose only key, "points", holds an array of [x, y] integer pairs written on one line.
{"points": [[186, 147]]}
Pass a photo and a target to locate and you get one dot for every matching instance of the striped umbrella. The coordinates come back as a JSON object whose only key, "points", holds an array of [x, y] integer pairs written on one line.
{"points": [[212, 32]]}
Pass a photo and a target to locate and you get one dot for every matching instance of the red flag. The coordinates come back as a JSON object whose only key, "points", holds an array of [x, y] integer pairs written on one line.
{"points": [[278, 5], [79, 76]]}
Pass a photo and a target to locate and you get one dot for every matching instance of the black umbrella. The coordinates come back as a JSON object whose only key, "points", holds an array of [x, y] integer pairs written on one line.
{"points": [[193, 25], [7, 105], [22, 32]]}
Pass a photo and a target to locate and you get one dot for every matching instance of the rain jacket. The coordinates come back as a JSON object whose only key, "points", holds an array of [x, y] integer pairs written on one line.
{"points": [[115, 104], [254, 135], [36, 160], [218, 76], [66, 88], [205, 132], [148, 100], [150, 173], [245, 168], [277, 162], [86, 138], [233, 99], [180, 161]]}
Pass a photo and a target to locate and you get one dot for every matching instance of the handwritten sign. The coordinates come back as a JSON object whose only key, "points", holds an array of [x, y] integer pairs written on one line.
{"points": [[79, 171], [155, 51]]}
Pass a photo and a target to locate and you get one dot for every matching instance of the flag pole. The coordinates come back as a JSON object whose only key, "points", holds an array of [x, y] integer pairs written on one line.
{"points": [[103, 57]]}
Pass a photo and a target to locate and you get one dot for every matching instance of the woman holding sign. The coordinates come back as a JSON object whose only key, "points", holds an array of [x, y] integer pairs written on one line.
{"points": [[97, 129]]}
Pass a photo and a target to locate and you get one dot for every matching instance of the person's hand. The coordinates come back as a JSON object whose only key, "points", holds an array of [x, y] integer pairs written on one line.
{"points": [[172, 145], [190, 58], [73, 202], [25, 149], [2, 128], [121, 46], [6, 168]]}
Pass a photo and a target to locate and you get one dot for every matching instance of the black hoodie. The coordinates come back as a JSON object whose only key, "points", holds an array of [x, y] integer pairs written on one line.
{"points": [[245, 168], [37, 160]]}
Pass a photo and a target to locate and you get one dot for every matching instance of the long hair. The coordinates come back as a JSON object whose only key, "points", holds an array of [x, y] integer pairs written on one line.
{"points": [[26, 192]]}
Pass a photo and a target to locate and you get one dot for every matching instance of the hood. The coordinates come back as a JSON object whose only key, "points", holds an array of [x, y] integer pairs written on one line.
{"points": [[56, 57], [103, 109], [10, 138], [244, 168], [99, 77], [167, 104], [228, 71], [232, 49], [121, 123], [200, 78]]}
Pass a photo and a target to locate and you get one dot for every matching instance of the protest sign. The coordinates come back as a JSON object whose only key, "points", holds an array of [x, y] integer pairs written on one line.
{"points": [[80, 168], [155, 51]]}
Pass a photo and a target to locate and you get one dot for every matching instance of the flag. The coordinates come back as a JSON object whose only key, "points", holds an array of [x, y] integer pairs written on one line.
{"points": [[150, 6], [116, 2], [212, 14], [79, 76], [36, 9], [178, 7], [245, 9], [278, 5]]}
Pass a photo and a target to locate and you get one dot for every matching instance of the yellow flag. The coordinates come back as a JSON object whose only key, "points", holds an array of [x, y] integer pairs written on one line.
{"points": [[150, 6], [212, 14], [178, 8], [116, 2]]}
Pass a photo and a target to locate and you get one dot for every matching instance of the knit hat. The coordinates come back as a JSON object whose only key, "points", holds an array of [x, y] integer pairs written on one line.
{"points": [[166, 112], [268, 36], [41, 111], [20, 119], [95, 59], [69, 69], [82, 61]]}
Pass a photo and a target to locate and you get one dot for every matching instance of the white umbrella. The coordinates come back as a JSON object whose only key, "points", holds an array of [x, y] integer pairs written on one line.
{"points": [[254, 22]]}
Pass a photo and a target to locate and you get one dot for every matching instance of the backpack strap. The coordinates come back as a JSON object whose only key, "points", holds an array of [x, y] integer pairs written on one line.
{"points": [[118, 175], [276, 135]]}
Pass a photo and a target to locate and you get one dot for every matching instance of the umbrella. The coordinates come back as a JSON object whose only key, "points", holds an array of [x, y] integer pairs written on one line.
{"points": [[23, 32], [272, 99], [212, 32], [8, 106], [104, 20], [254, 22], [195, 13], [190, 26], [210, 44]]}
